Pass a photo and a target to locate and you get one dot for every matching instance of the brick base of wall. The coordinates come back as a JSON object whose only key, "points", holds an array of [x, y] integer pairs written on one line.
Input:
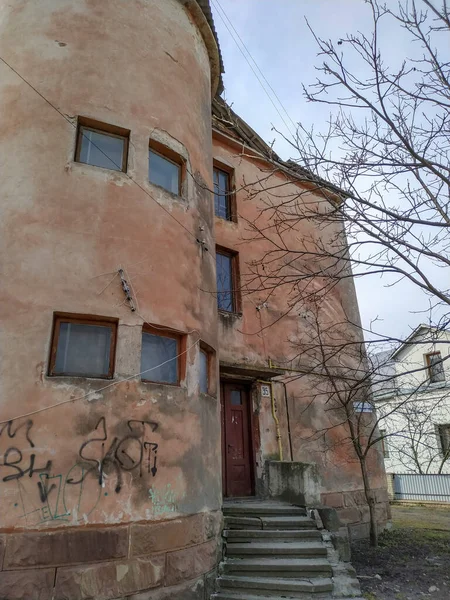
{"points": [[353, 511], [173, 559]]}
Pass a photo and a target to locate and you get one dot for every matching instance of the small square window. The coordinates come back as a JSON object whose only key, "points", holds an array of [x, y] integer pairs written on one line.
{"points": [[102, 145], [444, 440], [83, 347], [160, 358], [435, 367], [384, 443], [204, 371], [227, 280], [363, 407], [165, 167], [223, 194]]}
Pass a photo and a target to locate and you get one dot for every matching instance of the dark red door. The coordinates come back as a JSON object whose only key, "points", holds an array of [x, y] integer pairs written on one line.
{"points": [[236, 441]]}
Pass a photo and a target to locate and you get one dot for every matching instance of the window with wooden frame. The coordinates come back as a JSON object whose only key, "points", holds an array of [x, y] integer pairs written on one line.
{"points": [[165, 167], [102, 145], [224, 197], [435, 367], [384, 444], [363, 407], [163, 358], [228, 280], [207, 378], [83, 346], [444, 439]]}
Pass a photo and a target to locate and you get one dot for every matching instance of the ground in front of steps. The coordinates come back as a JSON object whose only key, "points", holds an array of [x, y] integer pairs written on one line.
{"points": [[412, 561]]}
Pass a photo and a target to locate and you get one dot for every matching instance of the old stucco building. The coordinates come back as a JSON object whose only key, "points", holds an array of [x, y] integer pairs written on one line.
{"points": [[114, 356]]}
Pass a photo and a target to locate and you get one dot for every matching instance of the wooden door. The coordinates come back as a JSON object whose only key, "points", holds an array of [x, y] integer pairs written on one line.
{"points": [[236, 441]]}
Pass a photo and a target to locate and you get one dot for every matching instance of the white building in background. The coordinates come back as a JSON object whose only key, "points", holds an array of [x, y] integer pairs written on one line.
{"points": [[411, 393]]}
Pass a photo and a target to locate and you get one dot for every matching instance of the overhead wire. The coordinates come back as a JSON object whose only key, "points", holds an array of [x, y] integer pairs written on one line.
{"points": [[114, 383], [119, 167], [96, 391], [230, 27]]}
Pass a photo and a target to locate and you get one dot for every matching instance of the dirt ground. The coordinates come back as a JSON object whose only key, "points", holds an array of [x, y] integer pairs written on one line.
{"points": [[412, 561]]}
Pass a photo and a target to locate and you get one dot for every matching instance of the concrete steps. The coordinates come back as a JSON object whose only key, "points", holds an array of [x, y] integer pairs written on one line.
{"points": [[245, 535], [295, 588], [230, 595], [277, 567], [272, 522], [262, 509], [275, 547], [273, 551]]}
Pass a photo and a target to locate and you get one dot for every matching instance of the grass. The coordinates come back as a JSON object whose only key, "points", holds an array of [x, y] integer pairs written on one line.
{"points": [[411, 557]]}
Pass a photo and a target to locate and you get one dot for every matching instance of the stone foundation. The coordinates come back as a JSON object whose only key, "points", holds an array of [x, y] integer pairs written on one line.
{"points": [[294, 482], [352, 509], [171, 559]]}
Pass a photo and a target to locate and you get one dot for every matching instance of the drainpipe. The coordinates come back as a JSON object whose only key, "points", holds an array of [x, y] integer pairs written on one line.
{"points": [[288, 417], [275, 417]]}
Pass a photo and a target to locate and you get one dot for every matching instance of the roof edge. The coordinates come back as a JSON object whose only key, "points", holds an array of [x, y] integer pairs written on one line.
{"points": [[232, 122], [200, 11]]}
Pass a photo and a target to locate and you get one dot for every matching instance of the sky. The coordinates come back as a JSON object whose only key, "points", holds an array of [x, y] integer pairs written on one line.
{"points": [[279, 39]]}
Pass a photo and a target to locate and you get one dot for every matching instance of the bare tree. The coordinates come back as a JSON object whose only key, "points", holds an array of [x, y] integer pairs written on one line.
{"points": [[332, 360], [386, 151], [371, 197]]}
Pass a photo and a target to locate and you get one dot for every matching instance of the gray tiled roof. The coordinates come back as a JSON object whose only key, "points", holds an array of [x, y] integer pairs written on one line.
{"points": [[206, 8]]}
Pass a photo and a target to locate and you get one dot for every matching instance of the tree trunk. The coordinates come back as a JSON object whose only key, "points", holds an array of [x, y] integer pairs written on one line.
{"points": [[370, 502]]}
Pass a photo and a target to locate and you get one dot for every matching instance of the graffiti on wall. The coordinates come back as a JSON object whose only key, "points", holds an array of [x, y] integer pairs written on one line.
{"points": [[44, 495], [102, 454], [13, 458]]}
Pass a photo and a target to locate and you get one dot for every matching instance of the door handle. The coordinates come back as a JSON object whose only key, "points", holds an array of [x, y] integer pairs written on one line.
{"points": [[229, 447]]}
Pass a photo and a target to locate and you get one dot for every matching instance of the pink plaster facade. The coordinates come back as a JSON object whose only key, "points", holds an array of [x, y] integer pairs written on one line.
{"points": [[149, 67], [266, 332]]}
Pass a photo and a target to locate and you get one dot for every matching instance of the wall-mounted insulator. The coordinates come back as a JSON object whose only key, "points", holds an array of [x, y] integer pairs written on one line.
{"points": [[126, 290], [202, 244]]}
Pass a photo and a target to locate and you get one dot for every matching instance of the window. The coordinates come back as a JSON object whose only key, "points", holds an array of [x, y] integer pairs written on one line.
{"points": [[435, 367], [227, 280], [206, 369], [444, 439], [164, 167], [363, 407], [160, 358], [83, 346], [204, 374], [384, 444], [223, 194], [102, 145]]}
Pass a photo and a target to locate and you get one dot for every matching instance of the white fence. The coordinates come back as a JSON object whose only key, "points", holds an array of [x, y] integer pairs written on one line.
{"points": [[428, 488]]}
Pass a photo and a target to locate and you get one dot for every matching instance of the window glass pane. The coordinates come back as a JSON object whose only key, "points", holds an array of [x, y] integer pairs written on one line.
{"points": [[203, 372], [436, 367], [156, 350], [224, 282], [365, 407], [235, 398], [83, 350], [164, 172], [221, 196], [101, 150]]}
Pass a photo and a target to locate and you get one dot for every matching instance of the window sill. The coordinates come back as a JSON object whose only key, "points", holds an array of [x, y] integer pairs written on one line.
{"points": [[112, 172], [161, 383], [77, 379], [208, 396], [172, 195], [222, 220], [225, 314]]}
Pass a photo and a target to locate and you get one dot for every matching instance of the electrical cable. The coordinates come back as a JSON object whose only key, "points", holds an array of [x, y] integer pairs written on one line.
{"points": [[224, 17], [108, 157], [110, 385]]}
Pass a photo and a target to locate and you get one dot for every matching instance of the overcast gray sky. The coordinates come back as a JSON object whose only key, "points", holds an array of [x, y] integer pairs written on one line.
{"points": [[278, 38]]}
